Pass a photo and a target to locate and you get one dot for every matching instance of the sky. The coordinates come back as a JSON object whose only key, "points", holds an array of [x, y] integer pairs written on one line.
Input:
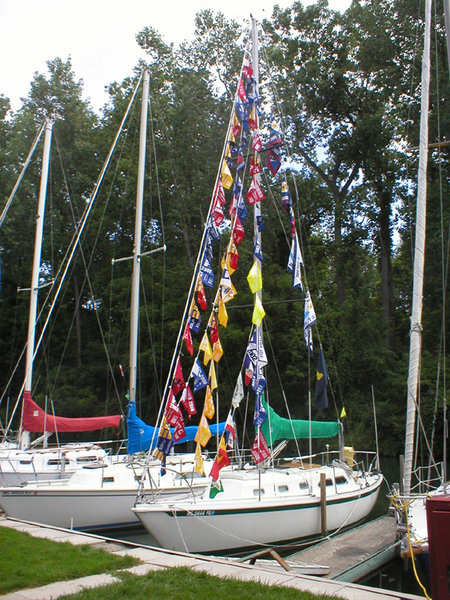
{"points": [[99, 36]]}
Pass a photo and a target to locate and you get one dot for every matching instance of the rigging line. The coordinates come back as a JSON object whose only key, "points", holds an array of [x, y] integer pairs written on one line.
{"points": [[158, 189], [279, 109], [87, 279], [22, 173], [124, 198], [267, 302], [76, 239], [274, 361], [279, 211], [155, 368], [199, 255], [444, 262]]}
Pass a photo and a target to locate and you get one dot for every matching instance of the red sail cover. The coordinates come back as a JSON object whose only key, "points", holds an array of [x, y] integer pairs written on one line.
{"points": [[37, 421]]}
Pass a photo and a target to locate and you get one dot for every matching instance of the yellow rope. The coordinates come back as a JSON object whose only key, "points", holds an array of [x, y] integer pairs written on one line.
{"points": [[405, 508]]}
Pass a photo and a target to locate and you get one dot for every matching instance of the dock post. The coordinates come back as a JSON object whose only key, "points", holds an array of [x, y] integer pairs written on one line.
{"points": [[323, 504]]}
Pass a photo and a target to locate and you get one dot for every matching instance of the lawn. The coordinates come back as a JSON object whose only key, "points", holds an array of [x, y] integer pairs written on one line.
{"points": [[184, 584], [27, 562]]}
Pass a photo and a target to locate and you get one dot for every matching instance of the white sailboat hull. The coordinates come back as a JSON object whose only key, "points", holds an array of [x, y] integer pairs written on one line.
{"points": [[94, 499], [229, 523], [20, 466]]}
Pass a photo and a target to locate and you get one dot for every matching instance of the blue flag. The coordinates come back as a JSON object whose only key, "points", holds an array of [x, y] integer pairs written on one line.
{"points": [[206, 272], [260, 414], [241, 209], [200, 378], [309, 321]]}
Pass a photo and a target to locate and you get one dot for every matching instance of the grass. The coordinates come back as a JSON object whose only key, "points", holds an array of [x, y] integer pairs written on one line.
{"points": [[184, 584], [27, 562]]}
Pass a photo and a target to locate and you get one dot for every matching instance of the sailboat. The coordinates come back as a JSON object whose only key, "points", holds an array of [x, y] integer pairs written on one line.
{"points": [[418, 484], [21, 460], [257, 498], [100, 496]]}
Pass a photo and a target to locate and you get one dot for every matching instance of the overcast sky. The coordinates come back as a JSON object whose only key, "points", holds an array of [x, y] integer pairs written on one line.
{"points": [[99, 36]]}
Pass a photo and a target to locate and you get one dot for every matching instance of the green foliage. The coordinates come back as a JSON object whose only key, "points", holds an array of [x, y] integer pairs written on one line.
{"points": [[344, 84]]}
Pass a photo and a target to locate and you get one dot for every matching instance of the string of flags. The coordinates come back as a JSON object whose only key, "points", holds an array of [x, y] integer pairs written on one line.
{"points": [[244, 138]]}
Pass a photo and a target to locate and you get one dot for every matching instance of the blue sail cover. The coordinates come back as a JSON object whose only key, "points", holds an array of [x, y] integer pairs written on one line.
{"points": [[140, 435]]}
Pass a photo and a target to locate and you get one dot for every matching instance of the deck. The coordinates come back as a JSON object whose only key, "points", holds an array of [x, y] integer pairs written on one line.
{"points": [[355, 553]]}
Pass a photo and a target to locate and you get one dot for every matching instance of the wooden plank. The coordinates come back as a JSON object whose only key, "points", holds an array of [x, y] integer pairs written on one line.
{"points": [[349, 551]]}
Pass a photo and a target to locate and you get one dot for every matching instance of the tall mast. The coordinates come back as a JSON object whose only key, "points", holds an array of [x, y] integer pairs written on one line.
{"points": [[255, 64], [34, 289], [135, 278], [419, 261]]}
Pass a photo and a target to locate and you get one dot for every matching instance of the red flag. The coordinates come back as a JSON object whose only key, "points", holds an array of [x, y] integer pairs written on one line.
{"points": [[213, 329], [178, 381], [247, 68], [187, 400], [172, 412], [233, 257], [187, 338], [219, 195], [238, 232], [231, 430], [255, 167], [201, 298], [241, 92], [236, 127], [260, 450], [256, 142], [255, 193], [221, 460], [180, 431]]}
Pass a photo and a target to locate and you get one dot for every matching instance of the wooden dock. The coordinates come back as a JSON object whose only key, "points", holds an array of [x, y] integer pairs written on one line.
{"points": [[354, 553]]}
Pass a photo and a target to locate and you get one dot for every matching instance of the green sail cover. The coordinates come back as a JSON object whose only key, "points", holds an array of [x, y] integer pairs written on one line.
{"points": [[278, 428]]}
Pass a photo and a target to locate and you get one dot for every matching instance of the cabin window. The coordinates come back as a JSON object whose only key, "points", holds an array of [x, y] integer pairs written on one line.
{"points": [[303, 485], [54, 462], [340, 480], [329, 482], [258, 492], [87, 459], [108, 479], [283, 488], [25, 462]]}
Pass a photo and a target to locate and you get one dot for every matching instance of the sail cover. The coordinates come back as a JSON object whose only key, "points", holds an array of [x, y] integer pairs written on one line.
{"points": [[278, 428], [37, 421], [140, 435]]}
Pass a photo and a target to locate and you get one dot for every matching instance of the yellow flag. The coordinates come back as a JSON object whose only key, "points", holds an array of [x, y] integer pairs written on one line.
{"points": [[222, 314], [217, 352], [254, 278], [206, 347], [203, 433], [227, 178], [198, 461], [212, 376], [258, 313], [208, 409], [343, 413]]}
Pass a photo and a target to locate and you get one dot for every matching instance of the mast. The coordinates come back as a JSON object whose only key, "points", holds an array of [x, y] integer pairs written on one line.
{"points": [[257, 205], [419, 261], [34, 289], [135, 278]]}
